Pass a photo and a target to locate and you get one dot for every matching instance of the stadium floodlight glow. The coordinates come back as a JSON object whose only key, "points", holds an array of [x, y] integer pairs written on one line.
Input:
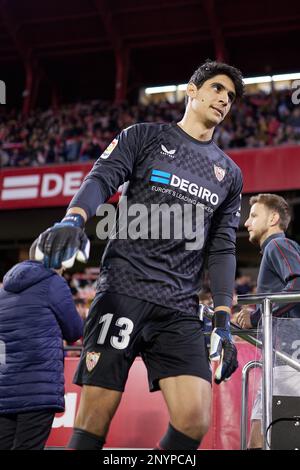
{"points": [[160, 89], [262, 79], [286, 76], [247, 81]]}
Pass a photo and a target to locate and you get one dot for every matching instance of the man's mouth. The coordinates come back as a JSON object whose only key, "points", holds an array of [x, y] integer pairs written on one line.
{"points": [[218, 110]]}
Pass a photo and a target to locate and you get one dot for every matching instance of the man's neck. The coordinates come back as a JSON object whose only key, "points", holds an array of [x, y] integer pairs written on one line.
{"points": [[196, 129]]}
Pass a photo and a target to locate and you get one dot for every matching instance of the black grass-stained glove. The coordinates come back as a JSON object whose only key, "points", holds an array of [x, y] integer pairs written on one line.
{"points": [[222, 348], [61, 244]]}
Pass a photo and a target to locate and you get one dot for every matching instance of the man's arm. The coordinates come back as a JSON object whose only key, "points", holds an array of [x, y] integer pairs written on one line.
{"points": [[222, 267], [61, 244], [221, 248]]}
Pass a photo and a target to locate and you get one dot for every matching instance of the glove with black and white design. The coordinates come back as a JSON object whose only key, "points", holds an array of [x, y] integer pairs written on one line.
{"points": [[61, 244], [222, 348]]}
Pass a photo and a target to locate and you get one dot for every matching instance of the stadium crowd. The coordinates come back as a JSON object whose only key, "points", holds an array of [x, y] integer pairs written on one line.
{"points": [[80, 132]]}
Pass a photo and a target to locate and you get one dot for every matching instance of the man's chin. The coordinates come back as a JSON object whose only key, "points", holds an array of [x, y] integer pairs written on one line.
{"points": [[253, 240]]}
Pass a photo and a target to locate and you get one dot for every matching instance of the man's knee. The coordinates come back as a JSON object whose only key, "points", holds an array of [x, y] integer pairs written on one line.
{"points": [[194, 422]]}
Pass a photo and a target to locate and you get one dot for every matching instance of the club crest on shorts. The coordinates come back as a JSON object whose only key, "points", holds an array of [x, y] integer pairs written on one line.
{"points": [[91, 360], [219, 172], [109, 149]]}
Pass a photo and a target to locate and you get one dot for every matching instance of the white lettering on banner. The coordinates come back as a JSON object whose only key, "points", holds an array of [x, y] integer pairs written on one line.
{"points": [[20, 187], [20, 181], [47, 182], [72, 182], [46, 185], [66, 420]]}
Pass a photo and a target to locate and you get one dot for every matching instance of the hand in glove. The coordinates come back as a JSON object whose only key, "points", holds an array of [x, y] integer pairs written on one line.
{"points": [[61, 244], [222, 348]]}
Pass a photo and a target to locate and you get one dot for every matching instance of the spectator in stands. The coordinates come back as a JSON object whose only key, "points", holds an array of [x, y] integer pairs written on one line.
{"points": [[80, 132], [4, 157], [294, 120], [36, 313], [243, 285]]}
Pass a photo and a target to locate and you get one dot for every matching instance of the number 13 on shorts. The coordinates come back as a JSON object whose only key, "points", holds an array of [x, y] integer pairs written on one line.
{"points": [[120, 341]]}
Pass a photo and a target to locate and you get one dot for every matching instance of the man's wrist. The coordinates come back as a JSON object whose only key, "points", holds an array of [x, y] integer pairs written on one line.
{"points": [[78, 210], [76, 220], [221, 319]]}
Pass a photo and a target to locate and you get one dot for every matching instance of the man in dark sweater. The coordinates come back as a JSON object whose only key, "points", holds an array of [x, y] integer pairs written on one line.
{"points": [[146, 300], [279, 272]]}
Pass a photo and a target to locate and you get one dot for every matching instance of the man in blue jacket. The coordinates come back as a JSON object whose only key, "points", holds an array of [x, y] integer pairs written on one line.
{"points": [[36, 313], [279, 272]]}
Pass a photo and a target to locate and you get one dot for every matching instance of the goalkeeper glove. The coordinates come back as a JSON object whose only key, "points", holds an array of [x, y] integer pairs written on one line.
{"points": [[222, 348], [61, 244]]}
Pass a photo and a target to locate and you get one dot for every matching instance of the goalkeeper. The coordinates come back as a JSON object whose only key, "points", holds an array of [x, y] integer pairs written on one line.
{"points": [[146, 301]]}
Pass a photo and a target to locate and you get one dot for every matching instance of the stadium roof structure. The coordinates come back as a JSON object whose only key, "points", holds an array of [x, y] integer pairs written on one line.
{"points": [[80, 49]]}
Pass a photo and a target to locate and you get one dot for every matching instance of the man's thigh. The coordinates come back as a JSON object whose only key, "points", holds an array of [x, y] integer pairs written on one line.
{"points": [[8, 425], [175, 346]]}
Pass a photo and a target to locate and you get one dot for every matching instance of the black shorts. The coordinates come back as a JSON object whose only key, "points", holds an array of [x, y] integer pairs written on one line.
{"points": [[119, 328]]}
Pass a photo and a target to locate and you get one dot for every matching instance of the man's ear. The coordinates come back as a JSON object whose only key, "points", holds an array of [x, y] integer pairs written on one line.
{"points": [[274, 218], [191, 90]]}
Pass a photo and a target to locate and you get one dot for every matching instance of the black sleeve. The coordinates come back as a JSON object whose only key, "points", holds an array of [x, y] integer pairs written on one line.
{"points": [[112, 169], [221, 249]]}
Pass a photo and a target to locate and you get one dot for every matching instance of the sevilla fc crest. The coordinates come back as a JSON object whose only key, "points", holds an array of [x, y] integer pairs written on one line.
{"points": [[219, 172], [91, 360]]}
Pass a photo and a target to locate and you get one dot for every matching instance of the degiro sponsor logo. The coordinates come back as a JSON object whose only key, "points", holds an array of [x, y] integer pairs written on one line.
{"points": [[158, 176]]}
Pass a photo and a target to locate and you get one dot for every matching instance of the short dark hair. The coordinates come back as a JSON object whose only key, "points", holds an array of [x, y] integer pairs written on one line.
{"points": [[275, 203], [210, 69]]}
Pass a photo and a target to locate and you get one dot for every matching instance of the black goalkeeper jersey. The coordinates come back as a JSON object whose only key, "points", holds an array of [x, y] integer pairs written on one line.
{"points": [[164, 165]]}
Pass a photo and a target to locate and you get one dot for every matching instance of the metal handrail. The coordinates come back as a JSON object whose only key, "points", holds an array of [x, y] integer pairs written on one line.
{"points": [[275, 297], [266, 300], [244, 402], [249, 336]]}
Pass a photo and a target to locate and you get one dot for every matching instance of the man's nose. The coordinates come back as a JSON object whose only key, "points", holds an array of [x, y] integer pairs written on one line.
{"points": [[224, 98]]}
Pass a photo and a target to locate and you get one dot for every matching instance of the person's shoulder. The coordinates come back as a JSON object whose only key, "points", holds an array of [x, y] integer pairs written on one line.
{"points": [[283, 243], [145, 130], [58, 282], [151, 127], [279, 245]]}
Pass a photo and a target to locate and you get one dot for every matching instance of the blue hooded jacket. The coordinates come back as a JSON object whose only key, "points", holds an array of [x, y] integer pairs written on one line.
{"points": [[36, 312]]}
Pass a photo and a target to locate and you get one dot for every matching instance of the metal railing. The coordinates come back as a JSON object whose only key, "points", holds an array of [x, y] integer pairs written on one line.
{"points": [[266, 300], [244, 402]]}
